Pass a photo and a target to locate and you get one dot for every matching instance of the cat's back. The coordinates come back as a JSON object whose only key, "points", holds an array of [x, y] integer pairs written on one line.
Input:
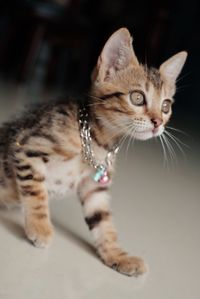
{"points": [[40, 117]]}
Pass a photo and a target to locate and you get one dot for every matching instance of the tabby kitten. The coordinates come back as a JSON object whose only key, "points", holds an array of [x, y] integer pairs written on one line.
{"points": [[67, 147]]}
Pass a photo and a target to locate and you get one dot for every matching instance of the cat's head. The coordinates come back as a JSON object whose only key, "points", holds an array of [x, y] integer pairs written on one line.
{"points": [[130, 97]]}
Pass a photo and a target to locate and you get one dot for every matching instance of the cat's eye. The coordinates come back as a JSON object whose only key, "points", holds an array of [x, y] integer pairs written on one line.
{"points": [[166, 106], [137, 98]]}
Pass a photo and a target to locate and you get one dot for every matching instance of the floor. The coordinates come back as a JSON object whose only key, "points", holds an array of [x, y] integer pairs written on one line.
{"points": [[156, 210]]}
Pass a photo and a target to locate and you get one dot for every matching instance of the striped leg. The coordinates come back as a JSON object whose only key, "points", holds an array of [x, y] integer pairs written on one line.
{"points": [[34, 198], [95, 202]]}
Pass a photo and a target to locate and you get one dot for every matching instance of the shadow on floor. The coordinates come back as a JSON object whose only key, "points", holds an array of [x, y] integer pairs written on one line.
{"points": [[12, 227], [74, 237], [16, 229]]}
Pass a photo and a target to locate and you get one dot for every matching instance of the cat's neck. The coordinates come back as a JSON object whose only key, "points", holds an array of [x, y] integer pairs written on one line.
{"points": [[100, 133]]}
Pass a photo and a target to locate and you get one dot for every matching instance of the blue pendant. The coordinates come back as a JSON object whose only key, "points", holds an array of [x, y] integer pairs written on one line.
{"points": [[101, 176]]}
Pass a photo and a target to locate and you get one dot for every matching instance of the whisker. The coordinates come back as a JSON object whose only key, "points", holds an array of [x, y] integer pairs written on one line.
{"points": [[182, 77], [127, 135], [97, 104], [183, 87], [177, 144], [168, 153], [131, 136], [177, 139], [172, 153], [164, 150], [178, 130], [122, 140], [95, 97], [129, 129]]}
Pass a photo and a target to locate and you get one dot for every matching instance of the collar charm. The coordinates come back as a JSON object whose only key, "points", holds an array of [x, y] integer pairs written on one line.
{"points": [[101, 175]]}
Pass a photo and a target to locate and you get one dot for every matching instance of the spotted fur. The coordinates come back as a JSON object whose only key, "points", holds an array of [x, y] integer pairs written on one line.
{"points": [[40, 152]]}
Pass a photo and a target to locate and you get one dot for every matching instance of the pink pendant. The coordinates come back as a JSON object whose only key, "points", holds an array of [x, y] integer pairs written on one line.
{"points": [[104, 179]]}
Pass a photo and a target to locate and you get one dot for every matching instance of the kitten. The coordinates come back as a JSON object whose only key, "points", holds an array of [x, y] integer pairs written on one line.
{"points": [[61, 147]]}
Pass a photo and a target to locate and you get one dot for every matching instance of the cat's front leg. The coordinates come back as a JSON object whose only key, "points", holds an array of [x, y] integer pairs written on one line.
{"points": [[34, 198], [95, 202]]}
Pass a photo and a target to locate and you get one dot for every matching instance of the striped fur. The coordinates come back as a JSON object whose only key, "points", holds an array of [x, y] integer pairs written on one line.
{"points": [[40, 153]]}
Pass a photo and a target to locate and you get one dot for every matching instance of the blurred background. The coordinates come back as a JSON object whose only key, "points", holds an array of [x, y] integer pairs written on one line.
{"points": [[48, 48]]}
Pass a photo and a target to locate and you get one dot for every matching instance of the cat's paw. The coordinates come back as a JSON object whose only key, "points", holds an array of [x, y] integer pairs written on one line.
{"points": [[40, 235], [128, 265]]}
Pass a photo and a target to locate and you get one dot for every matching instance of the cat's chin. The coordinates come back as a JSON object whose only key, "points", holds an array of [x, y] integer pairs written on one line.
{"points": [[145, 135]]}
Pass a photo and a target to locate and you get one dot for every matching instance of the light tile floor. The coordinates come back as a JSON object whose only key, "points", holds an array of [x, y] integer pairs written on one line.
{"points": [[157, 214]]}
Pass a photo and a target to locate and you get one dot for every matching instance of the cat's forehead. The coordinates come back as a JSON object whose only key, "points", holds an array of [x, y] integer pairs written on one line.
{"points": [[148, 79], [153, 77], [142, 77]]}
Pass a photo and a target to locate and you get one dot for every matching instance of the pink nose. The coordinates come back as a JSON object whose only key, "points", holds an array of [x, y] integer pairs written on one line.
{"points": [[157, 122]]}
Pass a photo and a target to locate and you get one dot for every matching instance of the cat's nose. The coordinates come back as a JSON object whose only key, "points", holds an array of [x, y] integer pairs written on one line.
{"points": [[156, 122]]}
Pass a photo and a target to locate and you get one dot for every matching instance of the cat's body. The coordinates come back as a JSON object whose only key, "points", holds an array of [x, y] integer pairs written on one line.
{"points": [[52, 139], [41, 153]]}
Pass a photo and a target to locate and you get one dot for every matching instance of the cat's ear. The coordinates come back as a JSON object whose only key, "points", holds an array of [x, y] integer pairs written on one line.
{"points": [[172, 67], [117, 54]]}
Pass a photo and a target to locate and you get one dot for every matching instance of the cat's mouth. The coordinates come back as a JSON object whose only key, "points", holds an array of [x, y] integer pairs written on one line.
{"points": [[148, 133], [143, 135]]}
